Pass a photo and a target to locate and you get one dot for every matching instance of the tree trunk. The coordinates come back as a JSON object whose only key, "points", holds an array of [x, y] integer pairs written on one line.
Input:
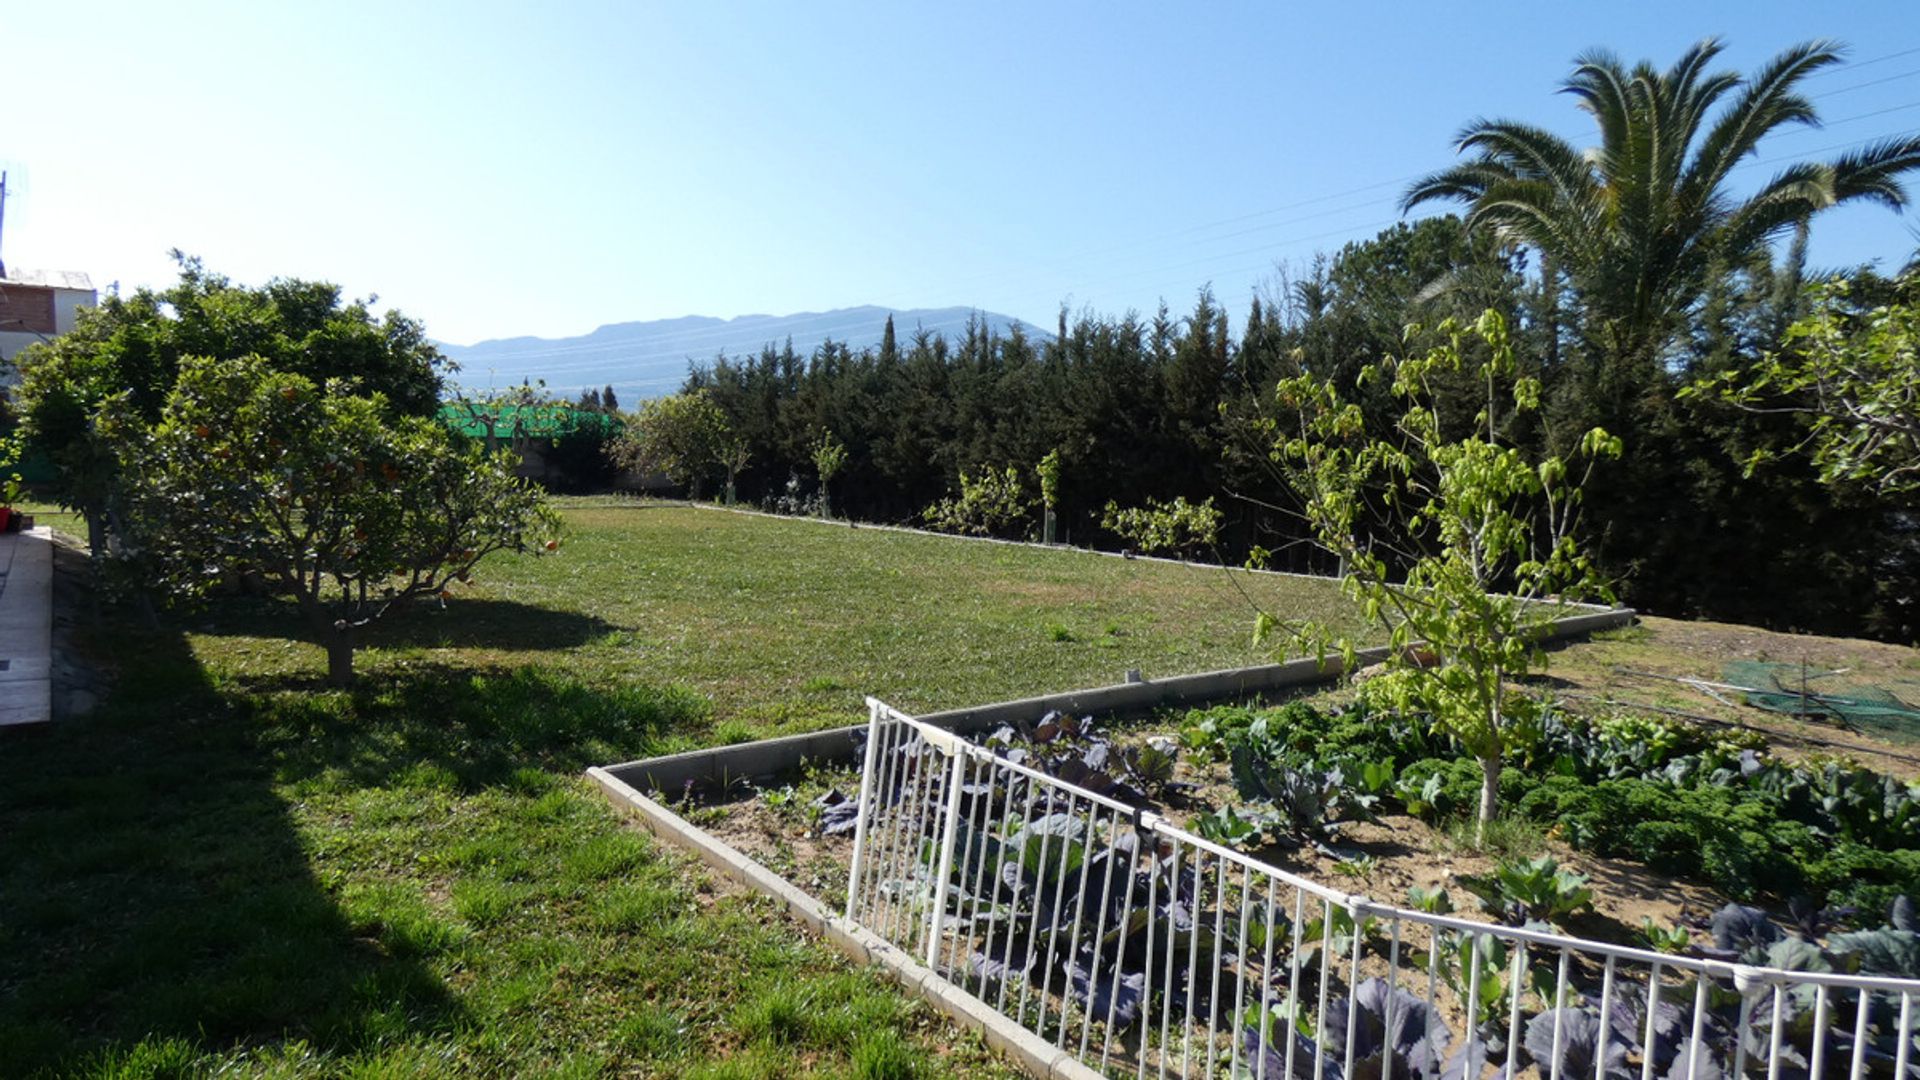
{"points": [[96, 535], [339, 658], [1489, 797]]}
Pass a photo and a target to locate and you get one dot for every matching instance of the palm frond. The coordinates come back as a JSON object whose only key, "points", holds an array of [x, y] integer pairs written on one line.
{"points": [[1767, 104], [1872, 173]]}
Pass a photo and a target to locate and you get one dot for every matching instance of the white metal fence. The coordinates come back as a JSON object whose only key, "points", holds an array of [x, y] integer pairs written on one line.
{"points": [[1148, 951]]}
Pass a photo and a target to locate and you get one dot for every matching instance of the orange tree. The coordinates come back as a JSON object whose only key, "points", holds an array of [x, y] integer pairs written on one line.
{"points": [[337, 503], [128, 350]]}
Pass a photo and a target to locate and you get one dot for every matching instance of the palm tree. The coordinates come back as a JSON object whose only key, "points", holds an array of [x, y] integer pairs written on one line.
{"points": [[1640, 224]]}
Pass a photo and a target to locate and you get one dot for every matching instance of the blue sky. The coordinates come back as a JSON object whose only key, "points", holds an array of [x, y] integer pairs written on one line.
{"points": [[500, 170]]}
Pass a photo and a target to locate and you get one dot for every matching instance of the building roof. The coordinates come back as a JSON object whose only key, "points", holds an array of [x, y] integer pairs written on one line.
{"points": [[48, 279]]}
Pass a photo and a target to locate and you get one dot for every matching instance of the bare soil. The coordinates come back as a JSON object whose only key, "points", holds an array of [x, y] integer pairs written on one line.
{"points": [[1634, 668]]}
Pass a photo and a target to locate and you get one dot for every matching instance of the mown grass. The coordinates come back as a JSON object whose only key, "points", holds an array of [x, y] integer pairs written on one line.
{"points": [[231, 869]]}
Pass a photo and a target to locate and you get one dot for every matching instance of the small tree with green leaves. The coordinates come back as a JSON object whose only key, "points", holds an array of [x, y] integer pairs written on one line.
{"points": [[327, 496], [991, 503], [1855, 376], [1176, 528], [683, 436], [829, 457], [1049, 471], [1484, 546], [735, 453]]}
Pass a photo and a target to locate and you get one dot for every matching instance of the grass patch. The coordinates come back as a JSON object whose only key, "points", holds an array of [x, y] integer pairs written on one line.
{"points": [[231, 869], [1503, 838]]}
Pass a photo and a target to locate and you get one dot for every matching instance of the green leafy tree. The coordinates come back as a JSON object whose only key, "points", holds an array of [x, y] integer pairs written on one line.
{"points": [[135, 345], [1855, 376], [326, 495], [1178, 527], [829, 457], [735, 454], [682, 435], [1640, 223], [1483, 546], [991, 503], [1049, 470]]}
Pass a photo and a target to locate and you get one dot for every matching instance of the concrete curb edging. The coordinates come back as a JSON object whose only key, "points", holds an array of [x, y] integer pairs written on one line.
{"points": [[769, 757], [1032, 1053]]}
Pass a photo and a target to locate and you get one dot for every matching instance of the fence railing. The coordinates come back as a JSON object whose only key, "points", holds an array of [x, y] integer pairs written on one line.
{"points": [[1148, 951]]}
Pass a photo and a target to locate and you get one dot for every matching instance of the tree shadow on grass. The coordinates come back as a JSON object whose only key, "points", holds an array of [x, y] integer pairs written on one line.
{"points": [[463, 623], [478, 728], [158, 896]]}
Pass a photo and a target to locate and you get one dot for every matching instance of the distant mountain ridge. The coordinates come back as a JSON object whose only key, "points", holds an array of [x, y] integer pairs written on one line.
{"points": [[642, 360]]}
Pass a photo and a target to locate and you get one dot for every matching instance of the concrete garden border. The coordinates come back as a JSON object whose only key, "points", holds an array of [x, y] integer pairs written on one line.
{"points": [[626, 785], [769, 757]]}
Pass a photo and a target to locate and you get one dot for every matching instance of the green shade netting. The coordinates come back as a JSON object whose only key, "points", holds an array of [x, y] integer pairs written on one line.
{"points": [[1875, 709]]}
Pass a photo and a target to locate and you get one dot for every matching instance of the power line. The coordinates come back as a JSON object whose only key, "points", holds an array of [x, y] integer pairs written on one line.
{"points": [[1141, 243], [1869, 82]]}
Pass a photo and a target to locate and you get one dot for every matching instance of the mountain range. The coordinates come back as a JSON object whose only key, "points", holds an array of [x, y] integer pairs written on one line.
{"points": [[643, 360]]}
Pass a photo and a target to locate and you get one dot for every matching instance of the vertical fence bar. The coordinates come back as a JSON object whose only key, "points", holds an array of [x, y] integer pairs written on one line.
{"points": [[1435, 942], [1119, 947], [972, 860], [1193, 960], [1606, 1017], [1152, 838], [889, 779], [1559, 1010], [1326, 972], [898, 779], [1854, 1072], [1038, 886], [1819, 1031], [1473, 995], [1293, 976], [869, 845], [1699, 1024], [863, 809], [1059, 897], [1240, 977], [1173, 941], [1024, 882], [1100, 934], [1266, 985], [1653, 1006], [1393, 985], [1355, 911], [1741, 1024], [985, 890], [1079, 908], [1516, 986], [1905, 1032], [942, 869], [1219, 935], [1773, 1036]]}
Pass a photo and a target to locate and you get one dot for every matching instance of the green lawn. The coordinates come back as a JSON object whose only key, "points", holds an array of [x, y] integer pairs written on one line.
{"points": [[232, 869]]}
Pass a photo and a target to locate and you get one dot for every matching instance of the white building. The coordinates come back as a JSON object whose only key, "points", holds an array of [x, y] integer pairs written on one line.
{"points": [[36, 305]]}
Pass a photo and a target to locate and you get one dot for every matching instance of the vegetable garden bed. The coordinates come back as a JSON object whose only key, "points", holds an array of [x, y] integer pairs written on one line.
{"points": [[1640, 834]]}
